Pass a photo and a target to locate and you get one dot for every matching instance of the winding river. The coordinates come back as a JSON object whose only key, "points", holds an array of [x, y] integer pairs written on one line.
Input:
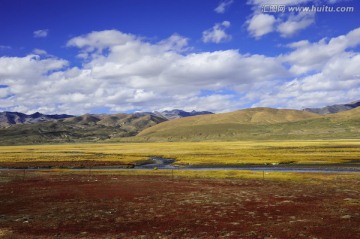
{"points": [[168, 164], [163, 163]]}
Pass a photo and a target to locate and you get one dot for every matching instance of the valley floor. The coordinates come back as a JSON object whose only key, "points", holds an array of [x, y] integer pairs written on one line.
{"points": [[127, 203], [185, 153]]}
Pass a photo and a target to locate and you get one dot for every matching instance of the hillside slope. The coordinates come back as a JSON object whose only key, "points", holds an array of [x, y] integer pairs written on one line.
{"points": [[260, 116], [257, 123]]}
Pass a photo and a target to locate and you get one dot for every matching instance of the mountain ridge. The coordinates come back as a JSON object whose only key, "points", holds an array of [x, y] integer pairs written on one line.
{"points": [[85, 128], [332, 109], [8, 118], [176, 113], [247, 124]]}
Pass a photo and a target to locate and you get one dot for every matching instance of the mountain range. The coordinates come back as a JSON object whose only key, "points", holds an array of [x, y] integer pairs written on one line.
{"points": [[11, 118], [332, 109], [85, 128], [176, 114], [178, 125], [19, 128]]}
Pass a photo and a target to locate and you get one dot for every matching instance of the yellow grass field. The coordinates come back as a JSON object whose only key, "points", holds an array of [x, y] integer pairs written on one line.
{"points": [[192, 153]]}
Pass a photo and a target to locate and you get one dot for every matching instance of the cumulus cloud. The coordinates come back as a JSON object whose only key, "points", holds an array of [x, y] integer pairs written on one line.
{"points": [[217, 33], [32, 66], [286, 23], [223, 6], [4, 92], [27, 81], [323, 71], [295, 23], [39, 52], [123, 72], [41, 33], [261, 24], [176, 43], [307, 57], [99, 40]]}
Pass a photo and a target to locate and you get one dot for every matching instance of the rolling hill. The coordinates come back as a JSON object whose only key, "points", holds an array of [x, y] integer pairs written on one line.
{"points": [[257, 123], [247, 116]]}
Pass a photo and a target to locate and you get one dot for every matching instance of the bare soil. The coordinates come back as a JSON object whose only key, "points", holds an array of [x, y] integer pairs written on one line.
{"points": [[49, 205]]}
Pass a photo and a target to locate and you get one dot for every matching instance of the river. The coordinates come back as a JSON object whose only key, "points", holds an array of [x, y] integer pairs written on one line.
{"points": [[162, 163], [168, 164]]}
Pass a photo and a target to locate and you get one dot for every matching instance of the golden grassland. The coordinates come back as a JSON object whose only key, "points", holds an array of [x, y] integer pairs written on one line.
{"points": [[193, 153]]}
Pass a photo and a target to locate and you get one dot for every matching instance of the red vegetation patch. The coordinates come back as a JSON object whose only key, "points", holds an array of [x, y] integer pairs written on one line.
{"points": [[64, 164], [113, 206]]}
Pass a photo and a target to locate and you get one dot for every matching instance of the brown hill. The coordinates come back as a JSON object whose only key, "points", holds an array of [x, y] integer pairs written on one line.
{"points": [[255, 116], [257, 123], [353, 114]]}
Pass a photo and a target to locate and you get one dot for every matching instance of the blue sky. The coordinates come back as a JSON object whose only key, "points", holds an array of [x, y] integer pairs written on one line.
{"points": [[110, 56]]}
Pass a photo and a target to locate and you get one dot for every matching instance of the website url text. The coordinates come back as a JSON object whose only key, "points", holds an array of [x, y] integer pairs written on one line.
{"points": [[275, 8]]}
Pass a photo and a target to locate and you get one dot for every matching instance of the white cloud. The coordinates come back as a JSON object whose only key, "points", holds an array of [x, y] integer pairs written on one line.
{"points": [[223, 6], [295, 23], [286, 23], [175, 43], [31, 66], [261, 24], [27, 81], [299, 44], [39, 52], [308, 57], [99, 40], [4, 92], [324, 72], [41, 33], [217, 33], [123, 72]]}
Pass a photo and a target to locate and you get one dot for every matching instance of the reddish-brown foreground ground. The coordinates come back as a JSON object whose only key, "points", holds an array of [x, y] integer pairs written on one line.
{"points": [[53, 205]]}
